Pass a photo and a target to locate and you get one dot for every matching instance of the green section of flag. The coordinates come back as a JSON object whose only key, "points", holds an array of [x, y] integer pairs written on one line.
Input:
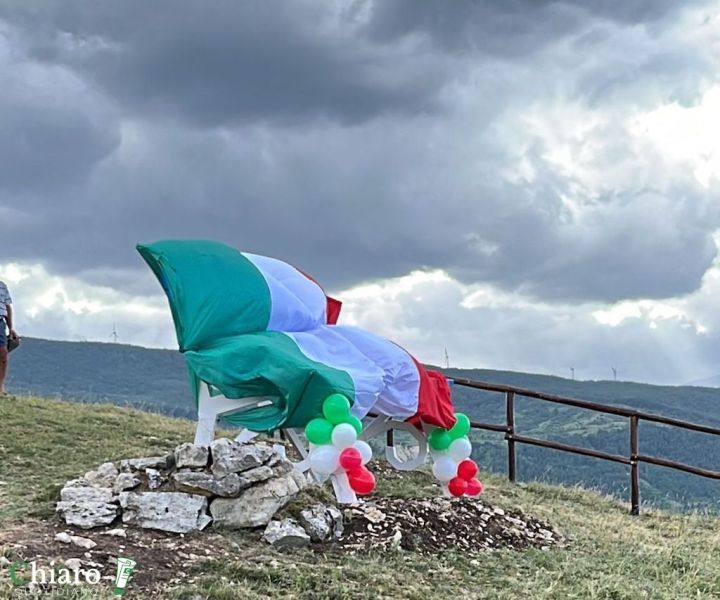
{"points": [[213, 290], [269, 364]]}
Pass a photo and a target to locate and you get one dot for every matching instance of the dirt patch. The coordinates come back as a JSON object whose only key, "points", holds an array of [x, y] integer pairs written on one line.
{"points": [[437, 524], [163, 559]]}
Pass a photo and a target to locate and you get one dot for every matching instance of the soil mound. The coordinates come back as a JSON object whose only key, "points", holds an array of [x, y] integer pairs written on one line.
{"points": [[438, 524]]}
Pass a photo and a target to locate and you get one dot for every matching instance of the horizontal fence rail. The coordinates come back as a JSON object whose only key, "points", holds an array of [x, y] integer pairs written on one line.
{"points": [[633, 458]]}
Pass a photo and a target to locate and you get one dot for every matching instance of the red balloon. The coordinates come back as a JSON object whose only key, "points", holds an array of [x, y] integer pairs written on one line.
{"points": [[361, 481], [457, 486], [474, 487], [351, 459], [467, 469]]}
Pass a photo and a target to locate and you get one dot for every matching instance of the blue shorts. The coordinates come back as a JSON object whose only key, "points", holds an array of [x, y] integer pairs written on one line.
{"points": [[3, 332]]}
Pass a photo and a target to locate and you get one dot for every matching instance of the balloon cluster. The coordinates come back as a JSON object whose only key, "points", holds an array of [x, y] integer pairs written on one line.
{"points": [[451, 449], [335, 447]]}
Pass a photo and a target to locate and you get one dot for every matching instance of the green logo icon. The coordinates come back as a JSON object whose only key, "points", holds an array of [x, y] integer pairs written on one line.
{"points": [[125, 568]]}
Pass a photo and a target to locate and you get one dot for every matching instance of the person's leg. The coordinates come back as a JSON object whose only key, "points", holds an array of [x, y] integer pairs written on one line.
{"points": [[3, 355], [3, 365]]}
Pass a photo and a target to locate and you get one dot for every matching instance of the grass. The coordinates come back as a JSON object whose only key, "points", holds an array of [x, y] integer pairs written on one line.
{"points": [[612, 555]]}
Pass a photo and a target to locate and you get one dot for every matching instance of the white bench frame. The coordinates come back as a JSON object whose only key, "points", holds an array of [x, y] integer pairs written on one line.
{"points": [[211, 407]]}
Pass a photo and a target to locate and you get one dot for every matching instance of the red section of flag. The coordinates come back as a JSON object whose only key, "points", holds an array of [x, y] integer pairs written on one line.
{"points": [[333, 310], [435, 405]]}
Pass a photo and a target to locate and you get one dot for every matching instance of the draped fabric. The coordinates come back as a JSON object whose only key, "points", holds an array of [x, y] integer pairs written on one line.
{"points": [[249, 325]]}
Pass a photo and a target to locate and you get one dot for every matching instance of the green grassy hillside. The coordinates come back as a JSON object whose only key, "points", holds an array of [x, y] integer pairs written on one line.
{"points": [[155, 380], [611, 554]]}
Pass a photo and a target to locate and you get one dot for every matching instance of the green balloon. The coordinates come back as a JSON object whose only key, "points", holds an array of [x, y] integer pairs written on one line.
{"points": [[336, 409], [461, 427], [319, 431], [355, 422], [440, 439]]}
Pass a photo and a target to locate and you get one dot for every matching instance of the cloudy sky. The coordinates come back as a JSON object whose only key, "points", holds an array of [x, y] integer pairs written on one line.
{"points": [[533, 185]]}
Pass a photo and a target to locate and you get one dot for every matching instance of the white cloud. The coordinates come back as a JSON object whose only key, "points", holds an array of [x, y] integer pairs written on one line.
{"points": [[686, 136], [666, 342], [56, 307]]}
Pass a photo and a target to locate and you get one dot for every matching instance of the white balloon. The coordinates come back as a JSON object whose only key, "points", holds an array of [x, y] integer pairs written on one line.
{"points": [[324, 460], [438, 454], [343, 436], [364, 449], [444, 468], [460, 449]]}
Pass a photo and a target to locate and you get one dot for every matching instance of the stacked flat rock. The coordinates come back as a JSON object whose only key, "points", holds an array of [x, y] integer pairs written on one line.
{"points": [[239, 485]]}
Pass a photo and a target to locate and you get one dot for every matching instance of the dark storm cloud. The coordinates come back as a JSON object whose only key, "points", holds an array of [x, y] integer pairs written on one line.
{"points": [[359, 143], [508, 28], [224, 62], [52, 132]]}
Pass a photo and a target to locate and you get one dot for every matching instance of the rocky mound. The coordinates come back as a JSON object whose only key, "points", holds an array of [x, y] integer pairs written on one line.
{"points": [[239, 485], [245, 485], [438, 524]]}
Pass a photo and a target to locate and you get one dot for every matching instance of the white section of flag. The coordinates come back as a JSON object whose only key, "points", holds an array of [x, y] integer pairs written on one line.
{"points": [[385, 377], [297, 302]]}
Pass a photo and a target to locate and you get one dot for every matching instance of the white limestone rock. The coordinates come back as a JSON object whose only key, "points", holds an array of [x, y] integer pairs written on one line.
{"points": [[286, 534], [82, 542], [257, 505], [124, 482], [195, 482], [155, 479], [141, 464], [103, 476], [232, 457], [190, 455], [87, 506], [252, 476], [322, 523], [176, 512], [118, 532]]}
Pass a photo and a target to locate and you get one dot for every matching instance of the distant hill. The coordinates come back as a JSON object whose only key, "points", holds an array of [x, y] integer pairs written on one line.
{"points": [[155, 380], [707, 382], [147, 378]]}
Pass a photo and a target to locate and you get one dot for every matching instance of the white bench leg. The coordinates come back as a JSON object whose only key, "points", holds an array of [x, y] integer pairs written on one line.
{"points": [[205, 430], [341, 486], [245, 436], [211, 407], [293, 435]]}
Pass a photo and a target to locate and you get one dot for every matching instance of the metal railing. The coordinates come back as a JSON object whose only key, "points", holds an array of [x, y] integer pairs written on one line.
{"points": [[632, 459]]}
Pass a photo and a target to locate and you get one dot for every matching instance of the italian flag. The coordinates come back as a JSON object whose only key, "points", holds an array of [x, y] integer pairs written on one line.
{"points": [[253, 326]]}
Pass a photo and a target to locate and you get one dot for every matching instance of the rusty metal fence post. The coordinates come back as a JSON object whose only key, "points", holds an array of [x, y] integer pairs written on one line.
{"points": [[510, 433], [634, 476]]}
